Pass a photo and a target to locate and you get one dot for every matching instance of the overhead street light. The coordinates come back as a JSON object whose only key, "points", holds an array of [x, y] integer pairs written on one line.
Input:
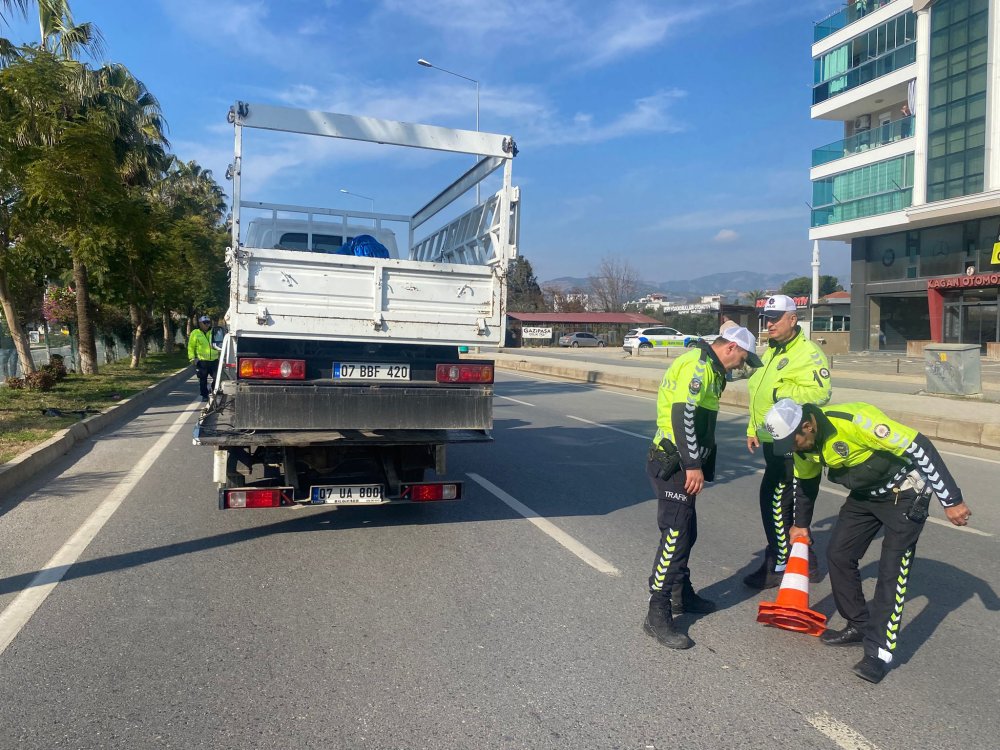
{"points": [[428, 64], [359, 195]]}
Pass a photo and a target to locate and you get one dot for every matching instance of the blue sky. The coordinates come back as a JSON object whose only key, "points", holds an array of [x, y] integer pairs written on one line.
{"points": [[674, 134]]}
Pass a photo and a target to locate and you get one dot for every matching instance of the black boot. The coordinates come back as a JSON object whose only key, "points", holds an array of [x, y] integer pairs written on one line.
{"points": [[684, 599], [871, 668], [660, 625], [765, 577]]}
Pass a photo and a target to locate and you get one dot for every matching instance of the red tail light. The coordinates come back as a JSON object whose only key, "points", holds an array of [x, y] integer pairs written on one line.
{"points": [[273, 369], [464, 373], [422, 493], [267, 498]]}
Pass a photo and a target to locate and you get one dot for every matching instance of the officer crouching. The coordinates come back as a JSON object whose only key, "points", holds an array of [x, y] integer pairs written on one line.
{"points": [[681, 460], [891, 471]]}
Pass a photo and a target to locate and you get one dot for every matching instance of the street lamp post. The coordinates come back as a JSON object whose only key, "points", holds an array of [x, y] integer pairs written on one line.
{"points": [[359, 195], [427, 64]]}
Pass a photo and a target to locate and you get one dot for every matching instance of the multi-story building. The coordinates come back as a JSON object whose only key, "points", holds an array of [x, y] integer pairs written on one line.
{"points": [[914, 184]]}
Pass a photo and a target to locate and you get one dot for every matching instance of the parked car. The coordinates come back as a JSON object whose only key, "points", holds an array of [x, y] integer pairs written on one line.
{"points": [[580, 338], [656, 337]]}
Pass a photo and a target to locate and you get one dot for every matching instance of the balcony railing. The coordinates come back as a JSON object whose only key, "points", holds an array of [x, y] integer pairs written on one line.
{"points": [[870, 205], [836, 21], [880, 135], [869, 71]]}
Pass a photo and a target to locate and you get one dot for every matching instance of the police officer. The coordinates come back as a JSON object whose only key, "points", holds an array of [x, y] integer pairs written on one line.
{"points": [[681, 460], [891, 471], [796, 368], [202, 355]]}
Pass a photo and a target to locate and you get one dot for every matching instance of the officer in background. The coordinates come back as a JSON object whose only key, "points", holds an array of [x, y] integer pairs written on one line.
{"points": [[202, 355], [796, 368], [681, 460], [891, 471]]}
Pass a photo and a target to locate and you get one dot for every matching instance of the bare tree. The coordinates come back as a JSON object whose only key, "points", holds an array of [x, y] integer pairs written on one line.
{"points": [[615, 283]]}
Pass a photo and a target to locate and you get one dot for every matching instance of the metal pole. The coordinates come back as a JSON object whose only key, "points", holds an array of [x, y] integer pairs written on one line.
{"points": [[428, 64]]}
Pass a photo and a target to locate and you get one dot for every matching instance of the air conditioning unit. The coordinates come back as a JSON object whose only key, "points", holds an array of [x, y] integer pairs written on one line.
{"points": [[864, 122]]}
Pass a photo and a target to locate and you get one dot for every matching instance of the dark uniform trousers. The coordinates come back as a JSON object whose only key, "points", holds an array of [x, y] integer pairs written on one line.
{"points": [[857, 525], [777, 501], [675, 515], [204, 369]]}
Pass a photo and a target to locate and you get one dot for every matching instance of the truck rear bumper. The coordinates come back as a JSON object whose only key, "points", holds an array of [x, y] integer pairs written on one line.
{"points": [[369, 407]]}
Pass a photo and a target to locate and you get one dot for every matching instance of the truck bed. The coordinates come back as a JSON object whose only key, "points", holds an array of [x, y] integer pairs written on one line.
{"points": [[303, 295]]}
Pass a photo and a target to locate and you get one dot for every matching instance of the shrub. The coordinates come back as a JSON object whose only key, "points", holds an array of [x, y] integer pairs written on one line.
{"points": [[58, 370], [15, 384], [40, 380]]}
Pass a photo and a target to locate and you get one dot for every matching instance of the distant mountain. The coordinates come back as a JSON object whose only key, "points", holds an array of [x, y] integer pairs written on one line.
{"points": [[730, 284]]}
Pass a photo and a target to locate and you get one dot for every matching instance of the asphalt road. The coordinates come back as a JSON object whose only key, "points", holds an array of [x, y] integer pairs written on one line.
{"points": [[462, 625]]}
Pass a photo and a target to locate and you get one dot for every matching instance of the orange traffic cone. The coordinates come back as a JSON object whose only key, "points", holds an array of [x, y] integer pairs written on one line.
{"points": [[791, 610]]}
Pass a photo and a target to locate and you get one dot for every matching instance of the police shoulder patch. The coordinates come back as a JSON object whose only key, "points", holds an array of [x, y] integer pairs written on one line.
{"points": [[695, 385], [782, 363], [841, 449], [881, 430], [824, 373]]}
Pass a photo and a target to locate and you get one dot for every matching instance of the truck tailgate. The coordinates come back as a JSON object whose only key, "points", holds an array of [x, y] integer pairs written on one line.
{"points": [[315, 295]]}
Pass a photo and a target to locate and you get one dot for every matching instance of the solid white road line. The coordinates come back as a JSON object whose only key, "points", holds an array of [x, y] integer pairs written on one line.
{"points": [[608, 427], [577, 548], [939, 521], [841, 734], [19, 611], [966, 455], [522, 403]]}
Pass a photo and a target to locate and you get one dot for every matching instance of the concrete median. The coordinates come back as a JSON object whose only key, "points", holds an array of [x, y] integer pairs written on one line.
{"points": [[957, 420]]}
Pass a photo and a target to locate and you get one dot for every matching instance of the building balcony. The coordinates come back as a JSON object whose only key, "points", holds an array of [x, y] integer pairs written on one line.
{"points": [[854, 11], [867, 71], [870, 205], [881, 135]]}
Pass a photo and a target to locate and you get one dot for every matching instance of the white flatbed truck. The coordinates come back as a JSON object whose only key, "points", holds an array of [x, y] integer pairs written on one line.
{"points": [[340, 379]]}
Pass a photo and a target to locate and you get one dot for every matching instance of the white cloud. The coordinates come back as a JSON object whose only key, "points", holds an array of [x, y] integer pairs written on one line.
{"points": [[710, 218], [726, 235], [633, 29]]}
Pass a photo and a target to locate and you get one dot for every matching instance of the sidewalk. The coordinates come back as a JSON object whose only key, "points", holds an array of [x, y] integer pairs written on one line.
{"points": [[971, 421]]}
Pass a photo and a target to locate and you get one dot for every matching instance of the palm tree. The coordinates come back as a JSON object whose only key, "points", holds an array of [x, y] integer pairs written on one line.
{"points": [[130, 113], [57, 31]]}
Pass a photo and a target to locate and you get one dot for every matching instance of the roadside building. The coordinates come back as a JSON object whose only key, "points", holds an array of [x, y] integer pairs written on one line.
{"points": [[913, 186], [831, 323], [545, 328]]}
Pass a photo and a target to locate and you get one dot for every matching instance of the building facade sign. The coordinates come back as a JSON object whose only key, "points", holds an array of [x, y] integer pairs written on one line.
{"points": [[536, 332], [965, 282], [800, 301], [701, 307]]}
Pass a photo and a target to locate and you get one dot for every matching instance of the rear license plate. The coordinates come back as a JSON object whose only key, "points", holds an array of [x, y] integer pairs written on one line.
{"points": [[345, 494], [370, 371]]}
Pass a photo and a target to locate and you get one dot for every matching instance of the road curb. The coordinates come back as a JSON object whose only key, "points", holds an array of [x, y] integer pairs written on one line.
{"points": [[984, 434], [25, 465]]}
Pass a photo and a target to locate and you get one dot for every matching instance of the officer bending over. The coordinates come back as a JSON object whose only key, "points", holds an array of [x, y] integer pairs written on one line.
{"points": [[891, 471], [681, 460]]}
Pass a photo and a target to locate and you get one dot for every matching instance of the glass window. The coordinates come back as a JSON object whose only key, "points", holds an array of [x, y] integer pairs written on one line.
{"points": [[941, 250], [322, 243], [886, 256], [957, 99]]}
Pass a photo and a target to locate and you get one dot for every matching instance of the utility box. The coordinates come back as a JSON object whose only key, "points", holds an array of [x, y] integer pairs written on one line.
{"points": [[953, 369]]}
